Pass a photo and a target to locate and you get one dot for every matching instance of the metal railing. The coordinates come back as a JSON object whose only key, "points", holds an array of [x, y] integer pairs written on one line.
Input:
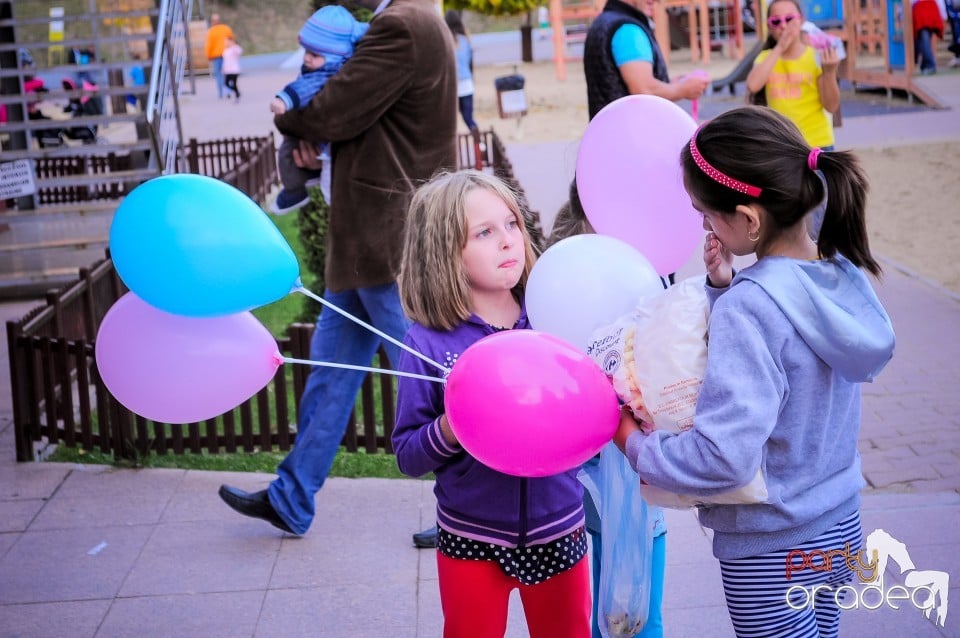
{"points": [[166, 74]]}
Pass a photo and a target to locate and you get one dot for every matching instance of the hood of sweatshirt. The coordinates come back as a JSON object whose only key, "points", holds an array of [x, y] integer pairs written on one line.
{"points": [[834, 308]]}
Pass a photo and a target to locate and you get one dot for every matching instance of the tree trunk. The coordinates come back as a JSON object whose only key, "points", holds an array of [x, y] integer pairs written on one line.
{"points": [[526, 43]]}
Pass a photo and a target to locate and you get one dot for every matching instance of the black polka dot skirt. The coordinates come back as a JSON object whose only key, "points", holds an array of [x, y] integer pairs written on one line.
{"points": [[529, 564]]}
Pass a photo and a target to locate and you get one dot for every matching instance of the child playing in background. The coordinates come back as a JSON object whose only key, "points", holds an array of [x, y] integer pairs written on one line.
{"points": [[464, 53], [231, 66], [466, 259], [791, 340], [928, 16], [572, 220], [328, 39], [952, 9], [794, 79]]}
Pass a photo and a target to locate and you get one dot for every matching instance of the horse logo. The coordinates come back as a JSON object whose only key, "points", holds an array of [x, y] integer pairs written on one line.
{"points": [[883, 547]]}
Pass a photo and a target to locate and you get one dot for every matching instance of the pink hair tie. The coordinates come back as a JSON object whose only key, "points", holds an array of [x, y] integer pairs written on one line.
{"points": [[812, 158], [717, 176]]}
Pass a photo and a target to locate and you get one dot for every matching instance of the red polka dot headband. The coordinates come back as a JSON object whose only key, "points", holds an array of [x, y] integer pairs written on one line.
{"points": [[717, 176]]}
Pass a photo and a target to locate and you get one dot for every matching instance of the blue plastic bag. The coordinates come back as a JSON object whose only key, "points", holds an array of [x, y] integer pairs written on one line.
{"points": [[627, 532]]}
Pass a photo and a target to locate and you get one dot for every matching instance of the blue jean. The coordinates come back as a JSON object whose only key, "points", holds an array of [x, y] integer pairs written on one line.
{"points": [[924, 49], [216, 72], [465, 103], [330, 393], [654, 626], [953, 16]]}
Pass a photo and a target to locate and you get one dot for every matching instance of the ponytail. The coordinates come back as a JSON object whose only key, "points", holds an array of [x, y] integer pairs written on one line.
{"points": [[844, 228]]}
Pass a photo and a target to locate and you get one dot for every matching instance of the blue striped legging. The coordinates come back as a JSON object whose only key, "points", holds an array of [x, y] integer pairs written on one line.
{"points": [[756, 587]]}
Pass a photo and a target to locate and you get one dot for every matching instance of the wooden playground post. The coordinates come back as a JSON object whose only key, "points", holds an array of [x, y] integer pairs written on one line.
{"points": [[560, 12], [698, 20]]}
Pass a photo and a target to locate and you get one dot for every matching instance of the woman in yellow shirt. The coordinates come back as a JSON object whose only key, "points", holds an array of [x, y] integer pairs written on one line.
{"points": [[797, 80]]}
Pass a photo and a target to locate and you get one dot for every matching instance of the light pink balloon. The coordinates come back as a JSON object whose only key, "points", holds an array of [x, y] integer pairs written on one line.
{"points": [[176, 369], [529, 404], [630, 182]]}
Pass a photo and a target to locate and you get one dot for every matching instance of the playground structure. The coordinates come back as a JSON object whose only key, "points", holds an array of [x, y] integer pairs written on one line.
{"points": [[569, 20], [879, 39]]}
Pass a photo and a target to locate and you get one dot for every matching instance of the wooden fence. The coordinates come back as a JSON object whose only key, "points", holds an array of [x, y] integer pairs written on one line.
{"points": [[59, 398], [248, 163]]}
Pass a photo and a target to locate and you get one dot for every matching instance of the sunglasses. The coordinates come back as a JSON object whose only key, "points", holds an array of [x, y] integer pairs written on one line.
{"points": [[775, 21]]}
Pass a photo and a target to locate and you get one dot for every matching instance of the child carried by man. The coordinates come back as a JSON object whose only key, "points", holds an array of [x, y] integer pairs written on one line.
{"points": [[328, 39]]}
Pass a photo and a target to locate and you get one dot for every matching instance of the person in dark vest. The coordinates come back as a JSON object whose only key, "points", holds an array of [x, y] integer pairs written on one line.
{"points": [[621, 57]]}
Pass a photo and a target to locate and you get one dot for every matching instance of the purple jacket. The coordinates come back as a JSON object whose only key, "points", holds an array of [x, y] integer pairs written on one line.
{"points": [[473, 500]]}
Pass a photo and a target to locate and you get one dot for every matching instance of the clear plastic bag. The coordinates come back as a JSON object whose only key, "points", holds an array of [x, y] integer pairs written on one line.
{"points": [[627, 532], [656, 357]]}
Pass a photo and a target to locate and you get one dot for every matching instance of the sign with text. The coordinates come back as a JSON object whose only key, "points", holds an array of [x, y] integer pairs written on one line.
{"points": [[16, 179]]}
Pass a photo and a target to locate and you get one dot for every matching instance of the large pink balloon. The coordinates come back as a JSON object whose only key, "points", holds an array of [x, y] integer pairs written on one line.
{"points": [[176, 369], [529, 404], [630, 182]]}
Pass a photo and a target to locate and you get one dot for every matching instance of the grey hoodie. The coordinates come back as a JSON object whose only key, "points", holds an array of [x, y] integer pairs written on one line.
{"points": [[790, 342]]}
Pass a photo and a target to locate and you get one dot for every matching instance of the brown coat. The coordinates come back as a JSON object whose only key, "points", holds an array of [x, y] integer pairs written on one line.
{"points": [[391, 115]]}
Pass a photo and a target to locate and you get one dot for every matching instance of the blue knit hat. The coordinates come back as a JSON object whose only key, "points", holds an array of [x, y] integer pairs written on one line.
{"points": [[331, 32]]}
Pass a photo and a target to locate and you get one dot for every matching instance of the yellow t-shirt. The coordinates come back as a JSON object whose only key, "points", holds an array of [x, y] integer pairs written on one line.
{"points": [[792, 90]]}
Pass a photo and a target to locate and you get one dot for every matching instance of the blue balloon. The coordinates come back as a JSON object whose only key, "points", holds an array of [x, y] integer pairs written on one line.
{"points": [[196, 246]]}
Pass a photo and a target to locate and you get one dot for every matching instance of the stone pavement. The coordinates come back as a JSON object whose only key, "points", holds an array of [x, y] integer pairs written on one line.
{"points": [[96, 551]]}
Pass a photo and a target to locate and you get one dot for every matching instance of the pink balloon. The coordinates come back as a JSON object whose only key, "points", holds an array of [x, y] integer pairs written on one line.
{"points": [[630, 182], [177, 369], [529, 404]]}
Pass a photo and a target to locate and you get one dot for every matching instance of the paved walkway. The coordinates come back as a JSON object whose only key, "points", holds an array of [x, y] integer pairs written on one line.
{"points": [[95, 551]]}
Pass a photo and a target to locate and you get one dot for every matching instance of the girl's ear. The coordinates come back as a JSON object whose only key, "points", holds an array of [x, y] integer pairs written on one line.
{"points": [[752, 215]]}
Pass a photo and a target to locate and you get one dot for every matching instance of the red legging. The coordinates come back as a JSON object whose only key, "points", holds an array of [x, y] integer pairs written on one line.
{"points": [[474, 595]]}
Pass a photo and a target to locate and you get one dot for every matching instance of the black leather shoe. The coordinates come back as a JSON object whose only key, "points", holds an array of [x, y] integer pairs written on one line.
{"points": [[426, 539], [254, 505]]}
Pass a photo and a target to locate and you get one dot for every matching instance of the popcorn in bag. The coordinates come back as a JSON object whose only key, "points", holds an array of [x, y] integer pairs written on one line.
{"points": [[656, 357]]}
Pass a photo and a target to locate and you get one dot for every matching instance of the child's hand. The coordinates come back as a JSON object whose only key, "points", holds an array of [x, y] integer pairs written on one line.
{"points": [[628, 425], [791, 31], [718, 261], [277, 107], [447, 431], [829, 59]]}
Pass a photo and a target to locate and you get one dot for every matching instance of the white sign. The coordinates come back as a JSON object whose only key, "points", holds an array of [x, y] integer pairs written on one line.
{"points": [[16, 179], [513, 102]]}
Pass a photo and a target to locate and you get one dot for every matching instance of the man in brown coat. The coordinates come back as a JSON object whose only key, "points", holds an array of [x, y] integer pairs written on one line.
{"points": [[390, 114]]}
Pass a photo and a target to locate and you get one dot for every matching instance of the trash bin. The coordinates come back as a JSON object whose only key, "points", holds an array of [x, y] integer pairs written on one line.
{"points": [[511, 97]]}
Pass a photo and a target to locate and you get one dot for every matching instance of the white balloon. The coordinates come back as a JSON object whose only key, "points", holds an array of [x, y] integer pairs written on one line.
{"points": [[584, 282]]}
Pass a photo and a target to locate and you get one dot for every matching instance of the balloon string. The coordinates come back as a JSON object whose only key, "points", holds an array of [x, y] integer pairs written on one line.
{"points": [[379, 333], [696, 110], [347, 366]]}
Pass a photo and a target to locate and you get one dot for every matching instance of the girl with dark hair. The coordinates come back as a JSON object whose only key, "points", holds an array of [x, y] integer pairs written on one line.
{"points": [[791, 340], [793, 78]]}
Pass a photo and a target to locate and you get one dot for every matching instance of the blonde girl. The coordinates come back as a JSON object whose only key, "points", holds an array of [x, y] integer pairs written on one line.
{"points": [[466, 259]]}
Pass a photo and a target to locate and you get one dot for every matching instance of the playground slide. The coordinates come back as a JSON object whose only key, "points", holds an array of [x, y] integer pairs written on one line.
{"points": [[740, 72]]}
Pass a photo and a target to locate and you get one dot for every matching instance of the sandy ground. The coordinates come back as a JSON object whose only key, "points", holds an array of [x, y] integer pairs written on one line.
{"points": [[913, 210]]}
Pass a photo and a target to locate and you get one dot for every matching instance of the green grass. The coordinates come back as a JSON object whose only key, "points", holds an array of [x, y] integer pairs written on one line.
{"points": [[346, 464], [281, 313]]}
